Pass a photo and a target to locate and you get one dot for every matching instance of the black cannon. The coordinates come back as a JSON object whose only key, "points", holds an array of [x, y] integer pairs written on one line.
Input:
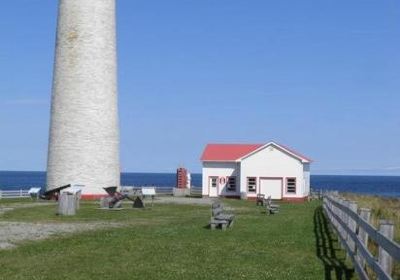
{"points": [[115, 198], [53, 193]]}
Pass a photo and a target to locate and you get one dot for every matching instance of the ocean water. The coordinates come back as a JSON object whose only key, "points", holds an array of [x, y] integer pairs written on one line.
{"points": [[25, 179], [371, 185]]}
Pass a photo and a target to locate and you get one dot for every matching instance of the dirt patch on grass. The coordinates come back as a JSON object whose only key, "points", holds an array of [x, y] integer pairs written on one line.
{"points": [[11, 206], [183, 200], [12, 233]]}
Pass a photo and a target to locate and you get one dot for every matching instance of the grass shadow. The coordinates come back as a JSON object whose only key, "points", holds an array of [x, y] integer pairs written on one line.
{"points": [[207, 226], [327, 247]]}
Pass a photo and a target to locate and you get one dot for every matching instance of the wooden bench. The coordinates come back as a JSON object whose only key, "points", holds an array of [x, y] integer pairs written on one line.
{"points": [[219, 217], [270, 207], [260, 199]]}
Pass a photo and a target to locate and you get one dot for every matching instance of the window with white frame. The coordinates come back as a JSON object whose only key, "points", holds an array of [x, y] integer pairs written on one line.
{"points": [[231, 184], [251, 184], [291, 185], [214, 182]]}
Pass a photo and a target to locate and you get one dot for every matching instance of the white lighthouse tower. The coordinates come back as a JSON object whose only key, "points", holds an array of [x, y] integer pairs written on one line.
{"points": [[84, 134]]}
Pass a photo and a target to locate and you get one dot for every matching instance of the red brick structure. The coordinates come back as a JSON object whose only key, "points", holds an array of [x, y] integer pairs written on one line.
{"points": [[181, 178]]}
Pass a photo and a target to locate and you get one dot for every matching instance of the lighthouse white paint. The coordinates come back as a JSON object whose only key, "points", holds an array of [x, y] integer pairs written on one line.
{"points": [[84, 135]]}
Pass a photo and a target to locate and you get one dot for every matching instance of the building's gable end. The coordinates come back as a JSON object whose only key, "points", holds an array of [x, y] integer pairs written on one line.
{"points": [[281, 149], [269, 154]]}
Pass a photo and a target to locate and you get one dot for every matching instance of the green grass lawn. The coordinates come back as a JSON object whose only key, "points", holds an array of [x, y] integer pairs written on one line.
{"points": [[173, 242]]}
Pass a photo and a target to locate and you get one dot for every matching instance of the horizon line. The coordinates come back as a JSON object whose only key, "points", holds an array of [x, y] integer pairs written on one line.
{"points": [[154, 172]]}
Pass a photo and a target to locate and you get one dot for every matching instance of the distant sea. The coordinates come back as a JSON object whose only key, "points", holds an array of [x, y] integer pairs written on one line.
{"points": [[372, 185]]}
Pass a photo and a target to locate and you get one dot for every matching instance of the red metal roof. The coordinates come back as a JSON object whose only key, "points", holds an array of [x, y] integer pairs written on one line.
{"points": [[233, 152], [227, 152]]}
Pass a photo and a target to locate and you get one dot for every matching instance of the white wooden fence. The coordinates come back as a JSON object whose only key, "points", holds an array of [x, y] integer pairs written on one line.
{"points": [[194, 191], [14, 194], [165, 190], [353, 229]]}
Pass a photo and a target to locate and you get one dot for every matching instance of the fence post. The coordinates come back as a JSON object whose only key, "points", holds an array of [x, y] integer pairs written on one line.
{"points": [[365, 214], [332, 208], [336, 212], [328, 205], [343, 219], [1, 194], [385, 260], [346, 219], [352, 224]]}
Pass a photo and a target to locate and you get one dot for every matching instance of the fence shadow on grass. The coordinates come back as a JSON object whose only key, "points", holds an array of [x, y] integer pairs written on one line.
{"points": [[326, 248]]}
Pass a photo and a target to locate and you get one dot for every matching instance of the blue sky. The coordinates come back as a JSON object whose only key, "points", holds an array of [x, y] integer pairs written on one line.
{"points": [[320, 76]]}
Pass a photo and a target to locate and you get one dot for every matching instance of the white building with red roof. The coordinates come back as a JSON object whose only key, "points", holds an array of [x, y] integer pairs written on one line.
{"points": [[245, 170]]}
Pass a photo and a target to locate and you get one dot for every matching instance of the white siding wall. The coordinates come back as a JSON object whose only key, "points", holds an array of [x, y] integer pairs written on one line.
{"points": [[220, 169], [306, 175], [273, 162]]}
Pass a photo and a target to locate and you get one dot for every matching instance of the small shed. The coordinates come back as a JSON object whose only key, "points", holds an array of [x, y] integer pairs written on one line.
{"points": [[245, 170]]}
